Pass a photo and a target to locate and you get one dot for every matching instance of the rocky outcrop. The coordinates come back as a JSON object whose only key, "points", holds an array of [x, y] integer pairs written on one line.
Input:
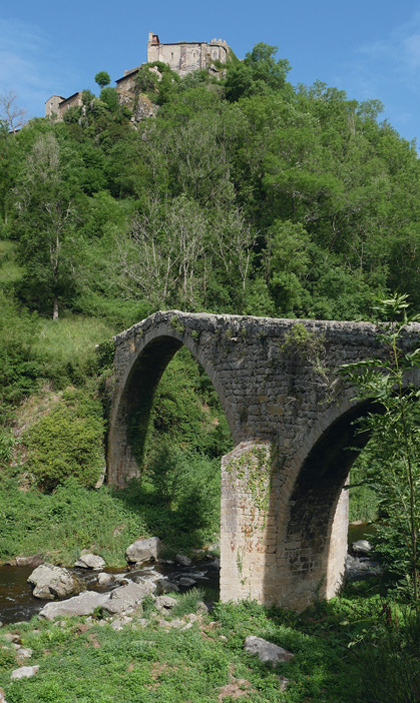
{"points": [[53, 582], [144, 108]]}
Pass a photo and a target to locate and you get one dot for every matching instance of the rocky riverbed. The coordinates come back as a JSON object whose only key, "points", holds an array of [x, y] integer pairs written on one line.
{"points": [[18, 603]]}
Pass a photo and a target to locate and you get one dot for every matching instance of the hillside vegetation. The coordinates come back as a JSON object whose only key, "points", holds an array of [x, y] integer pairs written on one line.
{"points": [[244, 195]]}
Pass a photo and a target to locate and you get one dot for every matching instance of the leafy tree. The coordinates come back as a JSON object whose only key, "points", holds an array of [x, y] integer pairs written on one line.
{"points": [[259, 72], [102, 79], [46, 205], [395, 442]]}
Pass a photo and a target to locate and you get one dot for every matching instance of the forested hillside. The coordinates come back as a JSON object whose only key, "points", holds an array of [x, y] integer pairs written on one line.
{"points": [[246, 195], [243, 195]]}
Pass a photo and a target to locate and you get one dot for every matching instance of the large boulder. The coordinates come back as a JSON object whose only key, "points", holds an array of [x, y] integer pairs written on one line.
{"points": [[267, 651], [54, 582], [361, 547], [83, 604], [143, 550], [90, 561], [128, 597]]}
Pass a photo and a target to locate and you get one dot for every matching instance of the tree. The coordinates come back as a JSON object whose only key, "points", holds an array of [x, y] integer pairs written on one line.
{"points": [[102, 79], [259, 72], [10, 112], [46, 210], [163, 256], [395, 442]]}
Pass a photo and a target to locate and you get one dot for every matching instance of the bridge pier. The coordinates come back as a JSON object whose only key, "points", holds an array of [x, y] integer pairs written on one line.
{"points": [[259, 559]]}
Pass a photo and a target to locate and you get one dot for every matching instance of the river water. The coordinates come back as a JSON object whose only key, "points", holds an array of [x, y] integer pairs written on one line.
{"points": [[17, 602]]}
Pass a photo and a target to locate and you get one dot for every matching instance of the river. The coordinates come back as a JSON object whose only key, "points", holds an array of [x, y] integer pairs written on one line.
{"points": [[17, 602]]}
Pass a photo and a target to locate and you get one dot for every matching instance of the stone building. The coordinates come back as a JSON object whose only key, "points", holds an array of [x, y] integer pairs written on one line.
{"points": [[57, 105], [185, 57], [181, 57]]}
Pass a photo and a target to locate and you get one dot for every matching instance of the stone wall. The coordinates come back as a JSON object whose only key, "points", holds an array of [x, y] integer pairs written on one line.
{"points": [[185, 57], [58, 106], [284, 517]]}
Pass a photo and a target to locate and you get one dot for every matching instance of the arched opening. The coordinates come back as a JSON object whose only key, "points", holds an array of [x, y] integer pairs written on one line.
{"points": [[318, 522], [176, 433]]}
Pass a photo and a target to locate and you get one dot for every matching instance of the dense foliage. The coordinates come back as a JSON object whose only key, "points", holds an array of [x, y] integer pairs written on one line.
{"points": [[243, 195], [392, 459]]}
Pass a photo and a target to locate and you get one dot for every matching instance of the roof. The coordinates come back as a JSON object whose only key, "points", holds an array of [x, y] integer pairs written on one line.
{"points": [[54, 96], [128, 73]]}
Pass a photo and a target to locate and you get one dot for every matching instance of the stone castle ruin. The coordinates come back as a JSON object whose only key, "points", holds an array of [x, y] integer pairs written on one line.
{"points": [[186, 57], [182, 57]]}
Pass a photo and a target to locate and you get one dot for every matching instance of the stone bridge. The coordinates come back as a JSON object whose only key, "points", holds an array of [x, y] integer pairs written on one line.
{"points": [[284, 515]]}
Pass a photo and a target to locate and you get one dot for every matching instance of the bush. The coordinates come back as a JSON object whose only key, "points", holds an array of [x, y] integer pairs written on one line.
{"points": [[188, 602], [390, 665], [19, 364], [68, 442]]}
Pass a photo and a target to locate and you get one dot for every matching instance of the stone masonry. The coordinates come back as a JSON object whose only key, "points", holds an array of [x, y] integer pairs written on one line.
{"points": [[185, 57], [284, 514]]}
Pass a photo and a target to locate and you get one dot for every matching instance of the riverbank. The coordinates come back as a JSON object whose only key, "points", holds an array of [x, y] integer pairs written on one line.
{"points": [[344, 651], [195, 657], [58, 526]]}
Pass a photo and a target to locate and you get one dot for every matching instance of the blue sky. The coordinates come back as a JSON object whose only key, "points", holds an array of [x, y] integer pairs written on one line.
{"points": [[370, 49]]}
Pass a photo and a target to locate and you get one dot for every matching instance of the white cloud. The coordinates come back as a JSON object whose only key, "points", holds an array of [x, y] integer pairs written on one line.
{"points": [[398, 55]]}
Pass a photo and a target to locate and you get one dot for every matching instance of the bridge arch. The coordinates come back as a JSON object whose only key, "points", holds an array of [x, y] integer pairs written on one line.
{"points": [[283, 522], [149, 356], [317, 520]]}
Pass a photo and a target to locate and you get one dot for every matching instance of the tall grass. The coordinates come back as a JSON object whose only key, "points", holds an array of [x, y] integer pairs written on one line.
{"points": [[59, 525], [67, 347]]}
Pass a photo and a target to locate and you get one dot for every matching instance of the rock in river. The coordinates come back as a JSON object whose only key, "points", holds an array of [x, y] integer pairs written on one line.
{"points": [[143, 550], [54, 582], [90, 561], [84, 604]]}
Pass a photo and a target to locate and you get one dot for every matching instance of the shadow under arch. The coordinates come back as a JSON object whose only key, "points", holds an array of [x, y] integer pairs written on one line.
{"points": [[318, 518]]}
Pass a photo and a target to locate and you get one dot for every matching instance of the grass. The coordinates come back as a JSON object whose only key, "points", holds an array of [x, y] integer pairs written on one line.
{"points": [[59, 525], [10, 271], [83, 662], [67, 347]]}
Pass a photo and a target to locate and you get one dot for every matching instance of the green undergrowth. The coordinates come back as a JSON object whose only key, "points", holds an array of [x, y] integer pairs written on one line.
{"points": [[66, 347], [68, 441], [58, 525], [332, 643]]}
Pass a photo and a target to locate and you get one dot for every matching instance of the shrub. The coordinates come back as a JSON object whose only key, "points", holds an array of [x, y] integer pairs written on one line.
{"points": [[68, 442], [188, 602]]}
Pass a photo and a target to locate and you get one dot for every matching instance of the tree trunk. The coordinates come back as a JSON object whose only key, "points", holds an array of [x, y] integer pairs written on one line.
{"points": [[55, 308]]}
